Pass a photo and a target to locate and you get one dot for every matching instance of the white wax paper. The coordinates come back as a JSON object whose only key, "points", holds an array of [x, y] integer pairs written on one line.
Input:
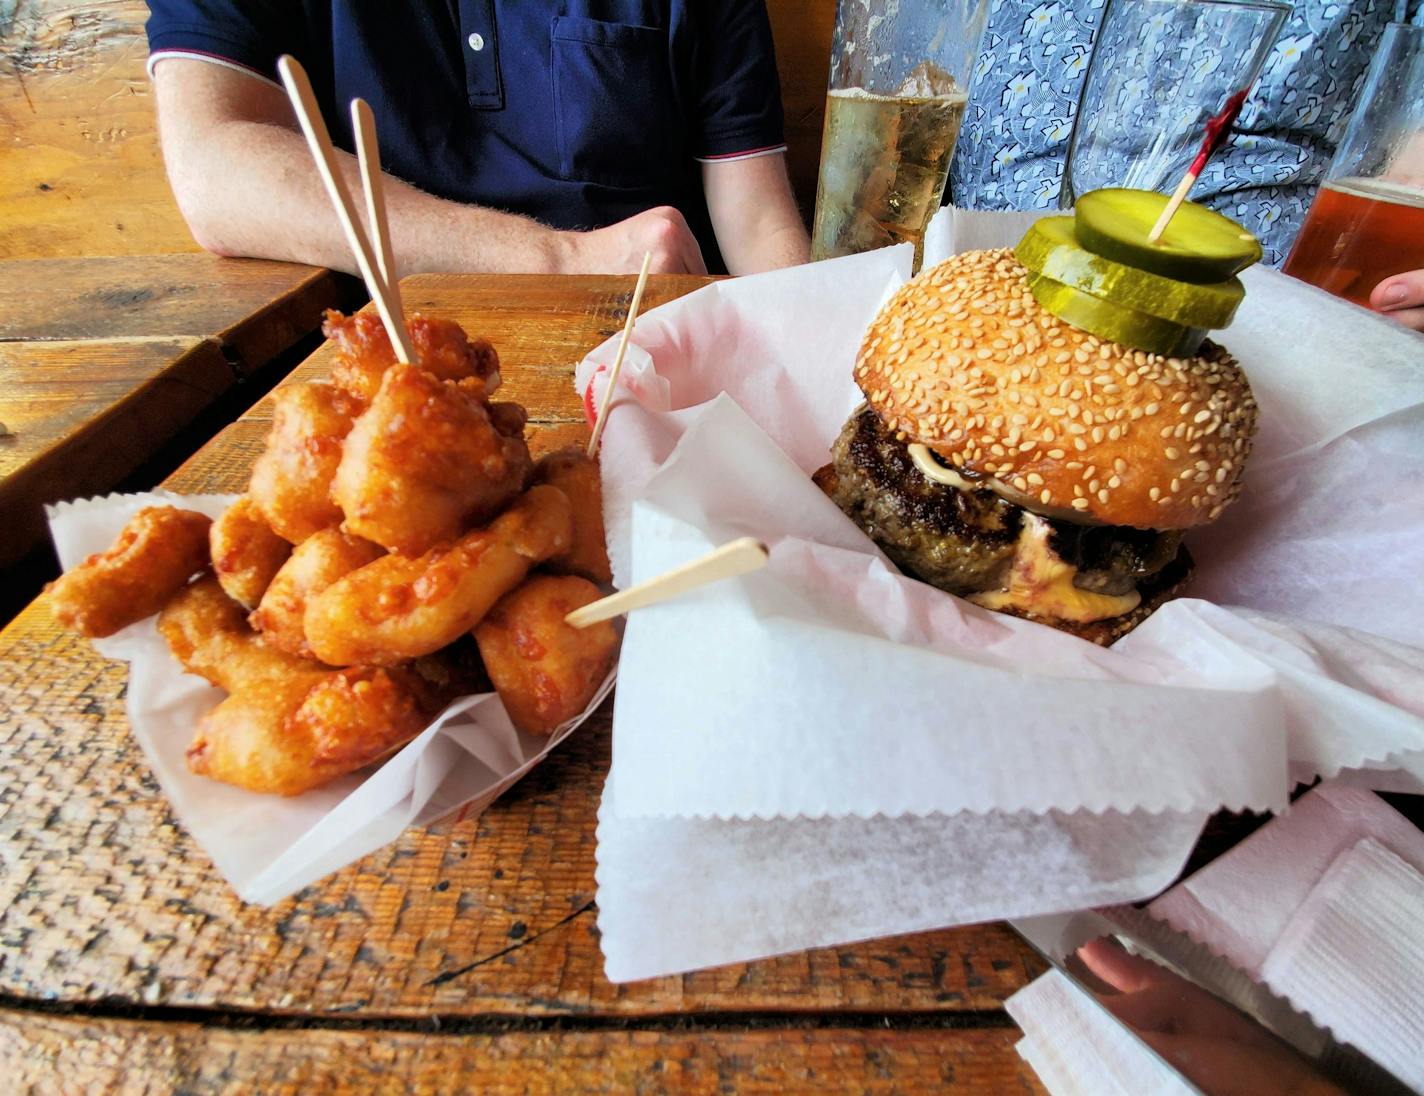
{"points": [[268, 846], [1240, 903], [829, 688]]}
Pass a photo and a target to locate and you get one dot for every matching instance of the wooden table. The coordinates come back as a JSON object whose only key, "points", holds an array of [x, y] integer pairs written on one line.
{"points": [[103, 361], [458, 961]]}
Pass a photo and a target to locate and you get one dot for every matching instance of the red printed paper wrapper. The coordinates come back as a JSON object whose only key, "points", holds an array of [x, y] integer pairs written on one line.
{"points": [[826, 750]]}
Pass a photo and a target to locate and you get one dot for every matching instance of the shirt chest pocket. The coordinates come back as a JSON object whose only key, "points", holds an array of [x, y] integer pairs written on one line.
{"points": [[614, 110]]}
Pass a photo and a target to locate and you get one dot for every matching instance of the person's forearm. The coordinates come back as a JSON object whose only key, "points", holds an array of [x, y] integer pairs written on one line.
{"points": [[780, 245], [251, 188], [754, 214]]}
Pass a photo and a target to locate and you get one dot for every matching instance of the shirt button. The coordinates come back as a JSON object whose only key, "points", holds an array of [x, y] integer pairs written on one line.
{"points": [[477, 42]]}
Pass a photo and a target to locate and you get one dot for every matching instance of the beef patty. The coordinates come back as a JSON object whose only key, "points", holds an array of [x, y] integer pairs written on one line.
{"points": [[963, 541]]}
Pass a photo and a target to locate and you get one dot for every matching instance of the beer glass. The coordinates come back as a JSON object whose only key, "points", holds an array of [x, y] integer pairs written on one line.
{"points": [[1367, 221], [899, 83], [1160, 70]]}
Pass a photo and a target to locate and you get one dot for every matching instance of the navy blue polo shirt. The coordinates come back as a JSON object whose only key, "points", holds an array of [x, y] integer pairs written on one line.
{"points": [[577, 113]]}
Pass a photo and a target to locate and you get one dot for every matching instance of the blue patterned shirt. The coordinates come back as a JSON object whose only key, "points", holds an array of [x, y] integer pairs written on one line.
{"points": [[1031, 70]]}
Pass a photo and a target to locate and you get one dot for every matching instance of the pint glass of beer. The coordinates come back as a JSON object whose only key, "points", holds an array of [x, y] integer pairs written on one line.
{"points": [[1160, 70], [899, 83], [1367, 221]]}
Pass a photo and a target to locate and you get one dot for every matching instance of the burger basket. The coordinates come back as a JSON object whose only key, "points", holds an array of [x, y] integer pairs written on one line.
{"points": [[827, 751]]}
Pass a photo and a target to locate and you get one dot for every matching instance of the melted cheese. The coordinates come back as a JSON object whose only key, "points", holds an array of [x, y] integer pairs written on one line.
{"points": [[1041, 583], [933, 470]]}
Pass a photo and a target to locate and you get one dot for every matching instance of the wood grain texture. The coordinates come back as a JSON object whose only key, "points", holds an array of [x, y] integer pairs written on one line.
{"points": [[103, 897], [81, 416], [541, 327], [80, 168], [254, 308], [123, 1058]]}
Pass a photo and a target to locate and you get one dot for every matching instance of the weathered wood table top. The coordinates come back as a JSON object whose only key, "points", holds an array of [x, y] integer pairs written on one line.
{"points": [[464, 960], [104, 360]]}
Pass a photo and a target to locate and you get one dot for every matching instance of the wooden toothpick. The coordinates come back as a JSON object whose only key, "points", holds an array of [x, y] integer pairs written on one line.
{"points": [[608, 391], [1179, 196], [368, 156], [299, 91], [736, 557], [1217, 130]]}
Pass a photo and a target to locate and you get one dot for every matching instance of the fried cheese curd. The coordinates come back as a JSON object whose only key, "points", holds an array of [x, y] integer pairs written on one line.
{"points": [[288, 724], [246, 551], [364, 352], [399, 607], [296, 733], [291, 480], [154, 555], [424, 462], [575, 473], [546, 671], [209, 635], [314, 565]]}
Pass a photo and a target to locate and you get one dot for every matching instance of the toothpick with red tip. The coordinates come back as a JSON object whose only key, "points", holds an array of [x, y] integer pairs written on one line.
{"points": [[1217, 130]]}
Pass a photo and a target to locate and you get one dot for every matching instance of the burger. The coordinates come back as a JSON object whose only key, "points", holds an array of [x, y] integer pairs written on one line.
{"points": [[1011, 458]]}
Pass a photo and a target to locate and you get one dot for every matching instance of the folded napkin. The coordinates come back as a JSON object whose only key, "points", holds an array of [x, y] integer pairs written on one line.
{"points": [[1352, 956], [1240, 904], [1078, 1049]]}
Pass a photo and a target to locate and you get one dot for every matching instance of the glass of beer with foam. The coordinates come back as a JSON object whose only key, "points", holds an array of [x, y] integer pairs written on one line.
{"points": [[899, 84], [1367, 221]]}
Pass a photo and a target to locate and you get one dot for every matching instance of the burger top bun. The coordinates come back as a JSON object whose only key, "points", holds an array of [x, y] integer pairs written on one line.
{"points": [[964, 360]]}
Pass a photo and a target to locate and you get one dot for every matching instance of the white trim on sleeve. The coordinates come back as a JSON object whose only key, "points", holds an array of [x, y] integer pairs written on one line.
{"points": [[732, 156], [212, 59]]}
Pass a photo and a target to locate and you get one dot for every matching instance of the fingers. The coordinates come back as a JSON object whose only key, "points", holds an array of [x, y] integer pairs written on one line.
{"points": [[1401, 298], [1115, 965], [661, 232], [1412, 318]]}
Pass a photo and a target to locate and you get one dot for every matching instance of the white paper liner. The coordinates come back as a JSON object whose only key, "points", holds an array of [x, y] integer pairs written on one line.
{"points": [[1239, 905], [827, 687], [684, 893], [1078, 1048], [1352, 957], [267, 846]]}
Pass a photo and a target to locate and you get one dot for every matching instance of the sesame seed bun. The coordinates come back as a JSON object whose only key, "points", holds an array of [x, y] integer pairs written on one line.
{"points": [[964, 360]]}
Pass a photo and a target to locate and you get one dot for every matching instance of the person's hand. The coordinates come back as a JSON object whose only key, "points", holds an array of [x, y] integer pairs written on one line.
{"points": [[1215, 1047], [619, 248], [1401, 298]]}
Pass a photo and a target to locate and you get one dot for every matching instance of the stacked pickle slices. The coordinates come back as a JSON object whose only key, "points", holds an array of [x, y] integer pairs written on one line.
{"points": [[1097, 271]]}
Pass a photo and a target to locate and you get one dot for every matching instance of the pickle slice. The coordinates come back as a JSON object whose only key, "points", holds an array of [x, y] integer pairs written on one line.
{"points": [[1115, 322], [1199, 245], [1050, 248]]}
